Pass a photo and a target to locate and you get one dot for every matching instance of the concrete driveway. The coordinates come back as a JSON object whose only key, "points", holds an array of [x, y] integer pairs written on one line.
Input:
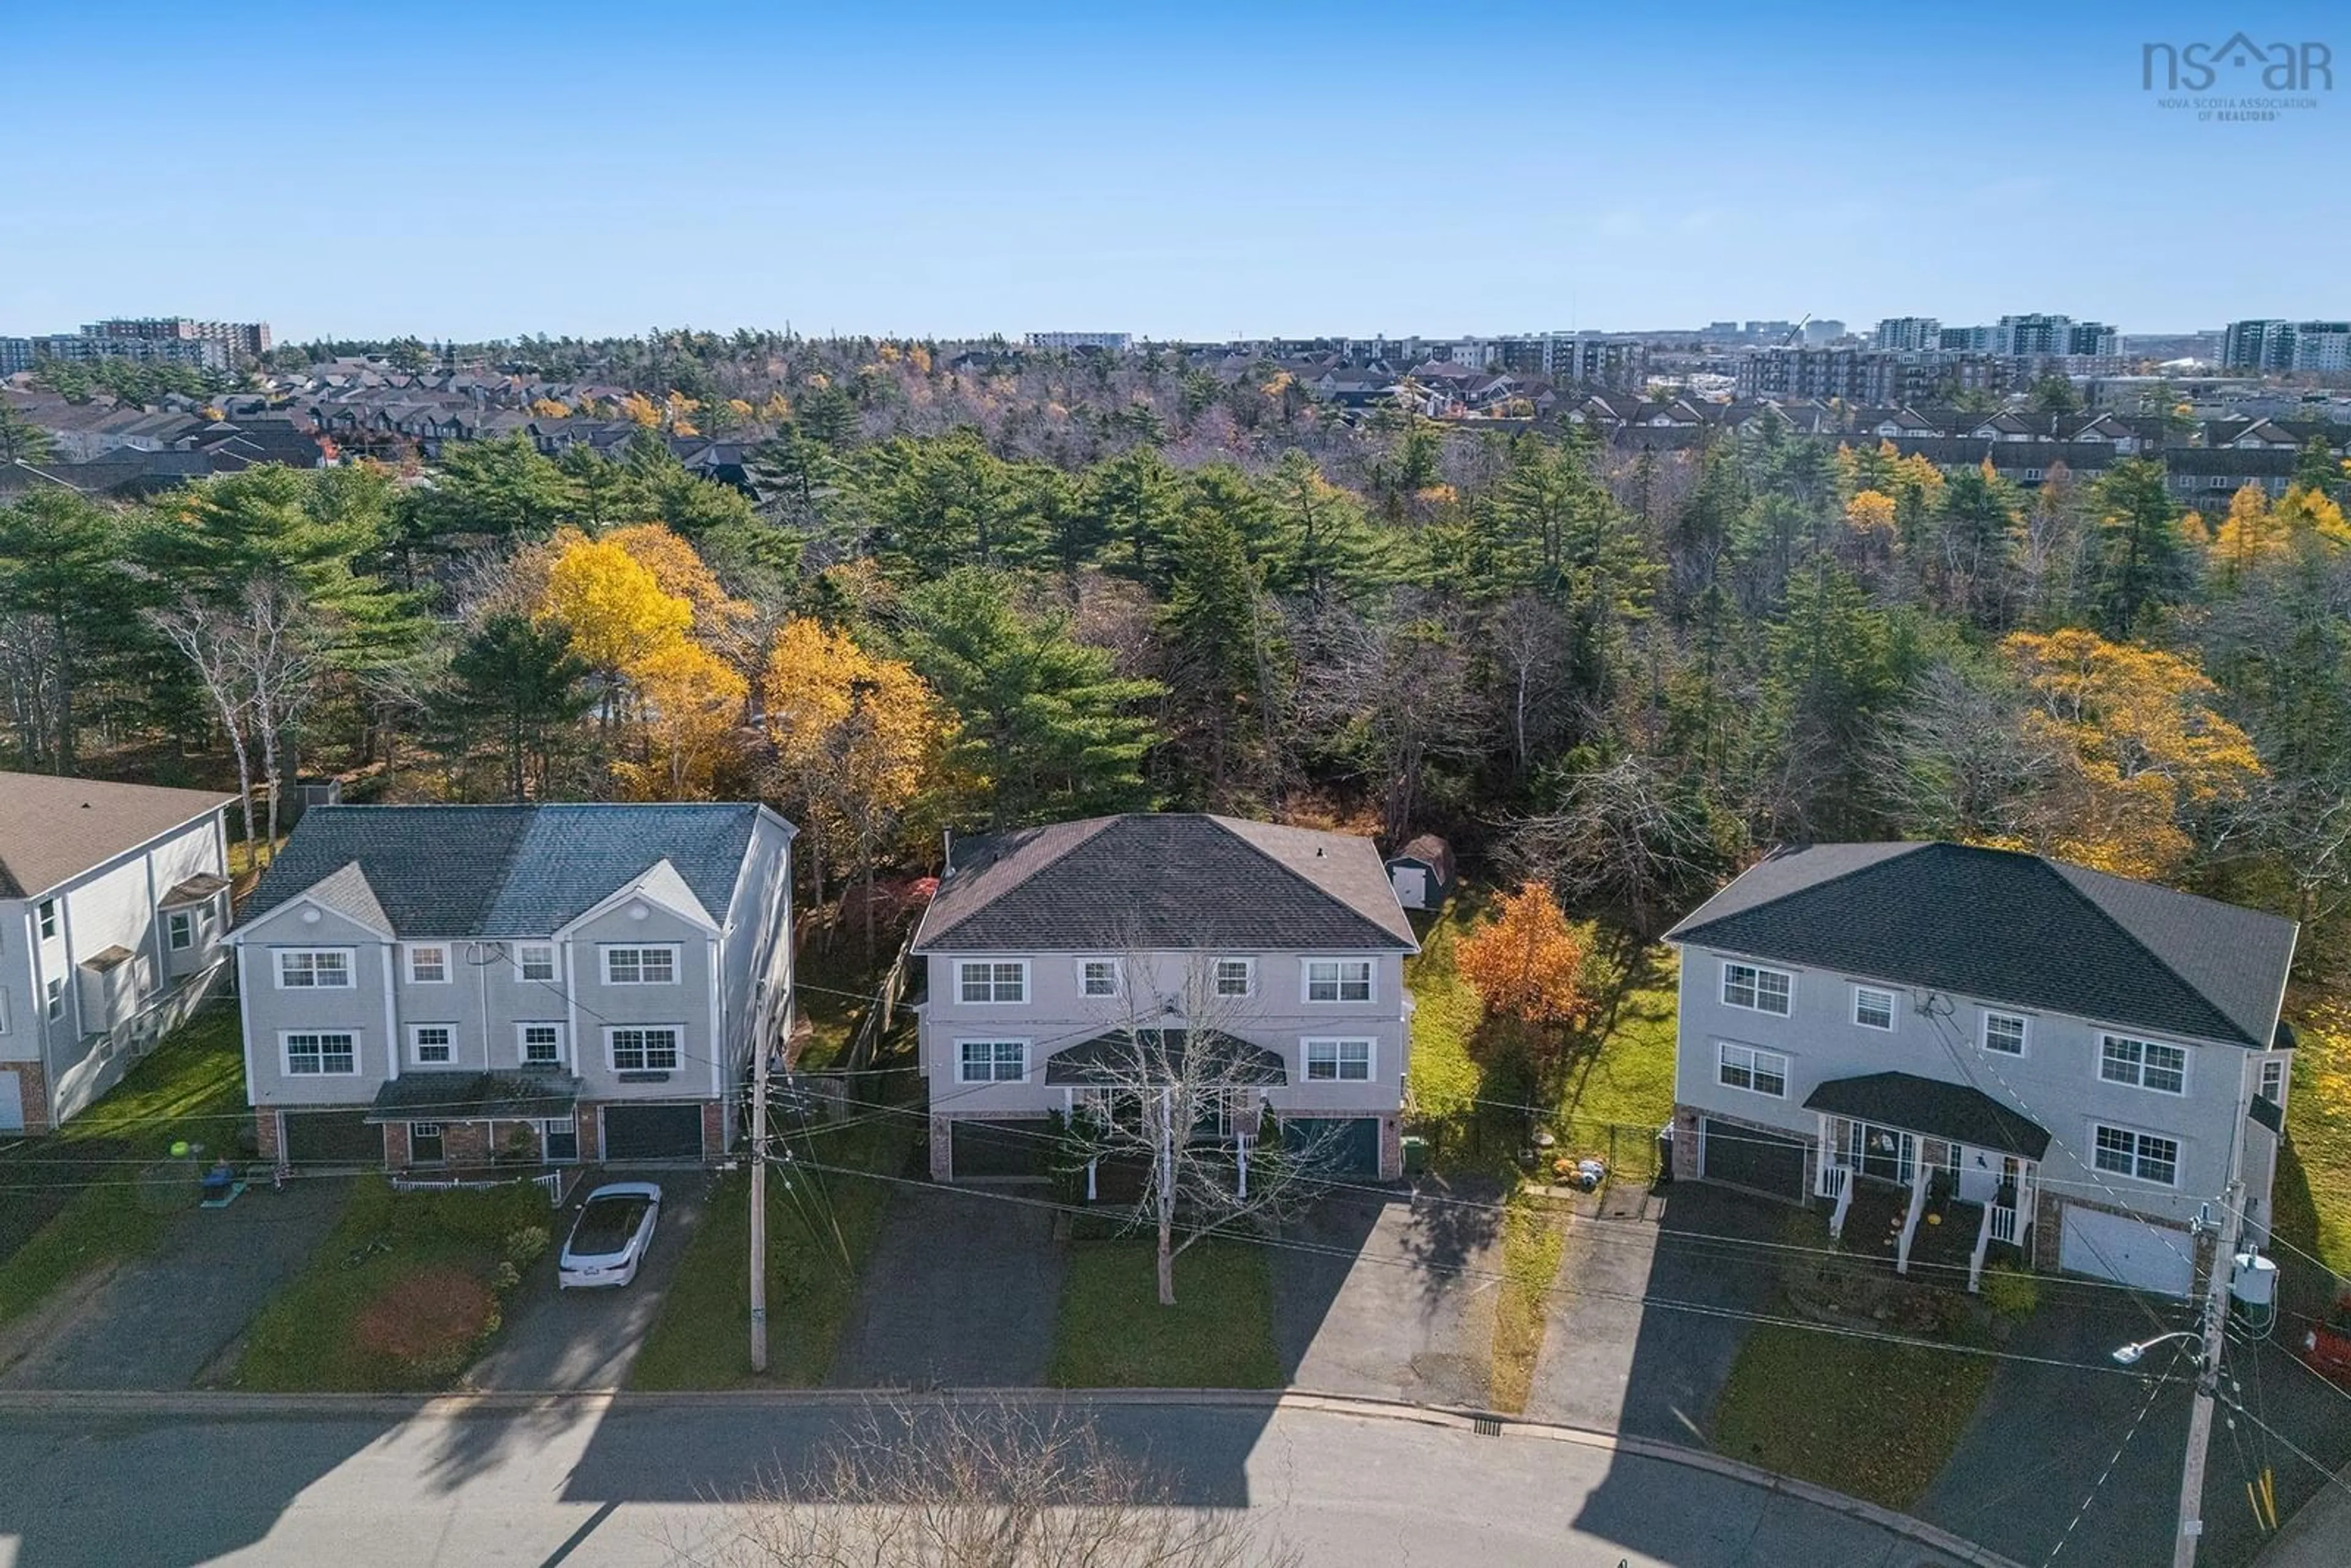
{"points": [[962, 1290], [1630, 1346], [556, 1339], [162, 1321], [1391, 1296]]}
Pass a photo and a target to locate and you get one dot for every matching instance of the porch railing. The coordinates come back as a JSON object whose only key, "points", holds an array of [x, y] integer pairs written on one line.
{"points": [[555, 1184], [2002, 1220], [1910, 1217]]}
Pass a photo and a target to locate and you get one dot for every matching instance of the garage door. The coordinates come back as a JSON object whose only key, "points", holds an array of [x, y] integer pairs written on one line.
{"points": [[2117, 1247], [12, 1103], [1744, 1156], [1000, 1149], [329, 1138], [1341, 1148], [652, 1133]]}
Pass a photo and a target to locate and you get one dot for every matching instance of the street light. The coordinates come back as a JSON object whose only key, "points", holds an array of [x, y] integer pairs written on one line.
{"points": [[2128, 1356]]}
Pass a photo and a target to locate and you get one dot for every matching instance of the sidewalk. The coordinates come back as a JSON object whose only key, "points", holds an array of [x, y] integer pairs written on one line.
{"points": [[2319, 1534]]}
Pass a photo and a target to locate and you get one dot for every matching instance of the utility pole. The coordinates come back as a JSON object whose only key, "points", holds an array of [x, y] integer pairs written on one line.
{"points": [[759, 1046], [2215, 1327]]}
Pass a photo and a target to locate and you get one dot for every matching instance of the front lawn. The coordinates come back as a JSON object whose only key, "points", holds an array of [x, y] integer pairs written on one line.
{"points": [[1863, 1416], [2313, 1194], [1114, 1334], [820, 1229], [405, 1292], [103, 1189], [1534, 1240]]}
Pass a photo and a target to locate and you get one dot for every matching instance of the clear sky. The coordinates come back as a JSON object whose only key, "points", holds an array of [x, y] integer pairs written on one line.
{"points": [[1202, 170]]}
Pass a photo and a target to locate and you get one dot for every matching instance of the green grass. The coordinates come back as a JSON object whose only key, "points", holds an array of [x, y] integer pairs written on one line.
{"points": [[100, 1190], [1875, 1420], [2313, 1192], [1534, 1240], [1627, 1077], [310, 1337], [1445, 1014], [819, 1230], [1114, 1334]]}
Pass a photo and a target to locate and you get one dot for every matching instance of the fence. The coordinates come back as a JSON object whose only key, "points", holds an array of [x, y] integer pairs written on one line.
{"points": [[1490, 1135], [878, 1017], [556, 1183]]}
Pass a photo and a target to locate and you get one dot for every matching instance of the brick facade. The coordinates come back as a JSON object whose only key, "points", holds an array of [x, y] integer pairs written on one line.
{"points": [[714, 1129], [265, 1135], [1391, 1147], [591, 1133], [465, 1142], [33, 1092], [395, 1146], [942, 1147]]}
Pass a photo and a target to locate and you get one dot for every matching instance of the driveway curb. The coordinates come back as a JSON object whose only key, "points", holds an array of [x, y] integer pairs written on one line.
{"points": [[456, 1406]]}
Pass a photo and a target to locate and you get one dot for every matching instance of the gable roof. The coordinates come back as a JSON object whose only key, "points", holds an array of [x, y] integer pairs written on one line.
{"points": [[500, 871], [2010, 928], [1930, 1106], [1164, 880], [52, 830]]}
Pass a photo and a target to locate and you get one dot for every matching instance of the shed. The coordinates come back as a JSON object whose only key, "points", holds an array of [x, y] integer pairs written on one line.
{"points": [[1422, 872]]}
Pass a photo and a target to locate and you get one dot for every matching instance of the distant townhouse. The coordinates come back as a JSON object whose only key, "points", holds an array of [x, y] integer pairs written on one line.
{"points": [[1047, 948], [113, 902], [446, 985], [2080, 1064]]}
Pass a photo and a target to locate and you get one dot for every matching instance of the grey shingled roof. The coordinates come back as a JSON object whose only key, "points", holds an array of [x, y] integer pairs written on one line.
{"points": [[1164, 880], [52, 830], [1120, 1058], [501, 871], [462, 1095], [1931, 1106], [2010, 927]]}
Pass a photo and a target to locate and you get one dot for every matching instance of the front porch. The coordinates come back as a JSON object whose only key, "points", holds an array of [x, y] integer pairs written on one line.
{"points": [[1928, 1174]]}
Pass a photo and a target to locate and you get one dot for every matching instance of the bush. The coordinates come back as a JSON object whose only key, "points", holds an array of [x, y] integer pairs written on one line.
{"points": [[526, 1244], [2011, 1293]]}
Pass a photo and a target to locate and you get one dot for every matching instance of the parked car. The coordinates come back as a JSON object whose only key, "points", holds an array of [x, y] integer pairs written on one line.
{"points": [[608, 1240], [2327, 1346]]}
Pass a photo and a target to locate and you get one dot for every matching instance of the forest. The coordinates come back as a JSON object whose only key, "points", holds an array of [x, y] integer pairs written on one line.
{"points": [[994, 589]]}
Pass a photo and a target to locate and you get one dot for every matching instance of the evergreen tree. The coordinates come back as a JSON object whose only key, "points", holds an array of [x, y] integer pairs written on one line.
{"points": [[2143, 567], [522, 683]]}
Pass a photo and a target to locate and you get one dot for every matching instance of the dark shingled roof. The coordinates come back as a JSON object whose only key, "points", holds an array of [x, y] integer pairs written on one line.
{"points": [[1937, 1109], [507, 870], [463, 1096], [2010, 928], [1120, 1057], [1164, 880]]}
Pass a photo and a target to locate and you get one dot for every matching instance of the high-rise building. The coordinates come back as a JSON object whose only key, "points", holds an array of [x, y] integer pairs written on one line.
{"points": [[1116, 342], [1907, 334], [2279, 347], [243, 339]]}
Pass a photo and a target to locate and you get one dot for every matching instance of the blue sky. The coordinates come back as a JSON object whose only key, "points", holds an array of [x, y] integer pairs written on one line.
{"points": [[1204, 170]]}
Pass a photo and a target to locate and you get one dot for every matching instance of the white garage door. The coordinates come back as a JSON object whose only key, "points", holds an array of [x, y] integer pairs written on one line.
{"points": [[2115, 1246], [12, 1103]]}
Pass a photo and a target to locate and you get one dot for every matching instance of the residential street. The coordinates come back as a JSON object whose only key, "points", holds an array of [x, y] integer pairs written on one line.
{"points": [[596, 1484]]}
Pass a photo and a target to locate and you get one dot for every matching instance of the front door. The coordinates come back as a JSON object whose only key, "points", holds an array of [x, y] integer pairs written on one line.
{"points": [[1886, 1154], [425, 1146], [559, 1140]]}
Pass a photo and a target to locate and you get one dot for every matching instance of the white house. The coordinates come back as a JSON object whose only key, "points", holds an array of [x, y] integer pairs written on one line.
{"points": [[113, 900], [2083, 1063]]}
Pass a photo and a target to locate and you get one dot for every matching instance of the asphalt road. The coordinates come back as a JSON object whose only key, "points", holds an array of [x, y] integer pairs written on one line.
{"points": [[588, 1484]]}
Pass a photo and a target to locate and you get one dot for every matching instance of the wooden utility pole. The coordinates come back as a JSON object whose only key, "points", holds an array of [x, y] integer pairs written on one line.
{"points": [[759, 1203], [2215, 1327]]}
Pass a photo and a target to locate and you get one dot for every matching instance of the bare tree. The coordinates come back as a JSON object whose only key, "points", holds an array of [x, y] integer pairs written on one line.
{"points": [[1175, 1092], [1954, 760], [954, 1484], [203, 634], [1393, 689], [1631, 835]]}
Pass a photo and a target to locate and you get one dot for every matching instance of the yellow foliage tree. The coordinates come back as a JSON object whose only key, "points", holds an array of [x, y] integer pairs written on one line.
{"points": [[1525, 961], [691, 706], [680, 572], [2138, 743], [614, 604], [1870, 513], [550, 408], [2309, 513], [777, 409], [920, 359], [858, 740], [639, 409]]}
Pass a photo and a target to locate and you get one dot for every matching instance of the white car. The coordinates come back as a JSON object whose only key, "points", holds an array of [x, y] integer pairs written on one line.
{"points": [[609, 1239]]}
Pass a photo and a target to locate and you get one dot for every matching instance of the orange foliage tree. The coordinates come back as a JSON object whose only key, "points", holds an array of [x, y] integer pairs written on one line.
{"points": [[1526, 962]]}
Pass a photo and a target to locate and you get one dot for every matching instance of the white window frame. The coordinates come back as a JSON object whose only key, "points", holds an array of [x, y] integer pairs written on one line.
{"points": [[1752, 1066], [448, 965], [1754, 1004], [2273, 1066], [554, 951], [2023, 1032], [179, 929], [416, 1044], [54, 1004], [45, 912], [611, 950], [1085, 978], [1216, 977], [522, 1043], [348, 955], [964, 1073], [2137, 1065], [285, 1038], [676, 1032], [1893, 1007], [1339, 982], [1333, 1048], [994, 980], [2137, 1157]]}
